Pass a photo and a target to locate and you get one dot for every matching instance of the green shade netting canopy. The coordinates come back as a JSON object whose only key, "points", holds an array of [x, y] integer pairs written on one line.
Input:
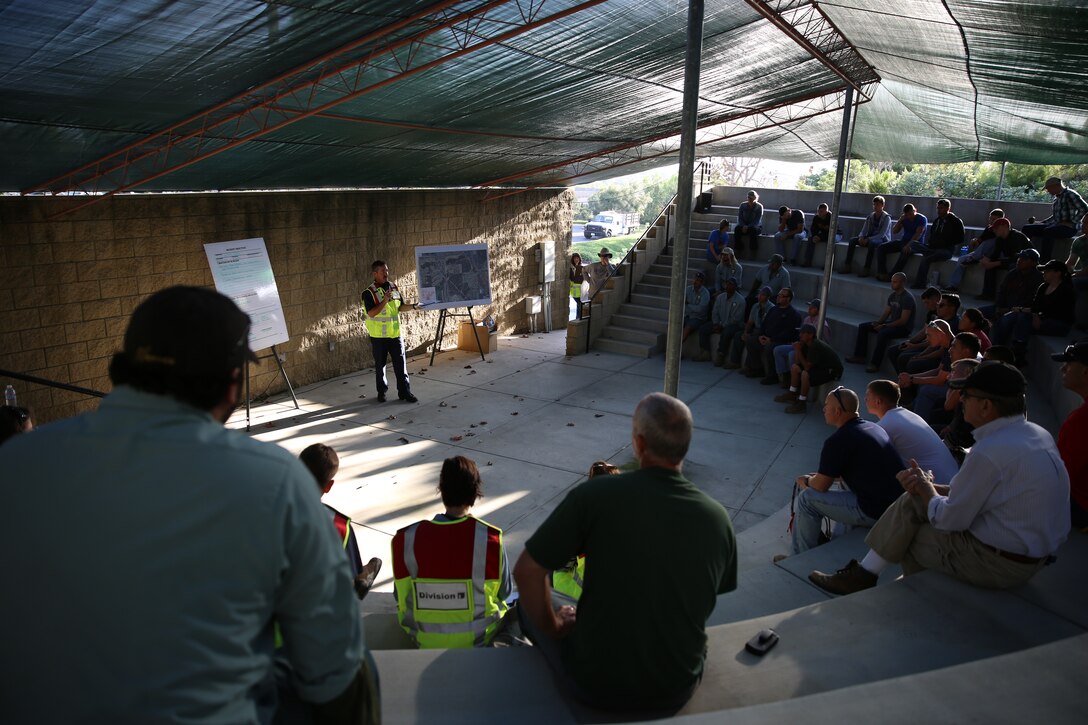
{"points": [[592, 94]]}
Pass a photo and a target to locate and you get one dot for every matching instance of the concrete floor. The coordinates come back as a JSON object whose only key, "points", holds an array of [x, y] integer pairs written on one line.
{"points": [[534, 419]]}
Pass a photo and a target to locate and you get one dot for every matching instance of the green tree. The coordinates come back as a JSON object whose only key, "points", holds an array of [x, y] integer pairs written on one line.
{"points": [[630, 197], [659, 189]]}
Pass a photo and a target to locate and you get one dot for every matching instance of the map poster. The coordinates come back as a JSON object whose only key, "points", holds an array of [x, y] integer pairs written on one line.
{"points": [[453, 276], [242, 271]]}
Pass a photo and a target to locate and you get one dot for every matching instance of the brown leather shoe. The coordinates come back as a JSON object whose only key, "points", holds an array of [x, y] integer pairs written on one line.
{"points": [[851, 578], [366, 577], [786, 397], [797, 407]]}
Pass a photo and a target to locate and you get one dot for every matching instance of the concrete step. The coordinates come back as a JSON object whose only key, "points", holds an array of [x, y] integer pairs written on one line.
{"points": [[602, 344], [642, 311], [633, 321], [661, 291], [636, 335]]}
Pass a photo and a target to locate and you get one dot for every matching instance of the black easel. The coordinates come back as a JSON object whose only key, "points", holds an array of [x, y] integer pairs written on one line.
{"points": [[442, 315], [276, 356]]}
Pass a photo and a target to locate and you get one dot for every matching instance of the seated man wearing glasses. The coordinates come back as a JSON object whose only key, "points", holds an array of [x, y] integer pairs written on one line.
{"points": [[861, 455], [1001, 517]]}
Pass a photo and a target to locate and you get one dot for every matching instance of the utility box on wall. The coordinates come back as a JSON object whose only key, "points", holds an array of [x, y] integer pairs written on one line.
{"points": [[546, 257]]}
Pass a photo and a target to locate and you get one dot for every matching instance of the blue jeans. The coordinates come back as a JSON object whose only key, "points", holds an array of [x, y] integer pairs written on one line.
{"points": [[930, 399], [780, 245], [811, 506], [783, 358], [883, 252]]}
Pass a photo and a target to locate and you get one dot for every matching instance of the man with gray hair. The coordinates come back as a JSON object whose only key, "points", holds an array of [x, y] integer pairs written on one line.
{"points": [[1065, 213], [633, 645], [997, 522]]}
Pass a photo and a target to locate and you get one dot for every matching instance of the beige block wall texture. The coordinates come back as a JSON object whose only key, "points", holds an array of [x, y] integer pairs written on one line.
{"points": [[68, 283]]}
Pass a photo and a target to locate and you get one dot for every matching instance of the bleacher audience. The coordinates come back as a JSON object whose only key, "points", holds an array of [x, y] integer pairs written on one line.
{"points": [[1051, 312], [947, 307], [875, 232], [1000, 252], [791, 226], [897, 320], [728, 267], [910, 233], [774, 275], [860, 455], [726, 319], [785, 354], [957, 434], [696, 304], [752, 326], [1000, 518], [717, 242], [931, 298], [911, 436], [814, 363], [614, 655], [1065, 214], [779, 327], [930, 386], [819, 233], [944, 239], [972, 320], [749, 223], [1018, 288]]}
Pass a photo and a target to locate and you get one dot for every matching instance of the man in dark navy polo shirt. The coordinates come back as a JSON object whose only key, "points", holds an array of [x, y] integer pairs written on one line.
{"points": [[861, 455]]}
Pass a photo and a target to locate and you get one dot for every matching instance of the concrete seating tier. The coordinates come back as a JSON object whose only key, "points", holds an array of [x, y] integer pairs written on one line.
{"points": [[886, 645]]}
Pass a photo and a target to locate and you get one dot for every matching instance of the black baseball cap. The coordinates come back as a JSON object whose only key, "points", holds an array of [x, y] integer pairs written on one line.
{"points": [[995, 378], [1077, 352], [189, 331]]}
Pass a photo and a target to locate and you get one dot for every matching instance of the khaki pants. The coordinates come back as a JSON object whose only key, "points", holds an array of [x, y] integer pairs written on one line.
{"points": [[903, 535]]}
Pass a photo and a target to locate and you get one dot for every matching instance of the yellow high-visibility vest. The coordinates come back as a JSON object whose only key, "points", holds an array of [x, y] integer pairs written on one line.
{"points": [[447, 577], [387, 322]]}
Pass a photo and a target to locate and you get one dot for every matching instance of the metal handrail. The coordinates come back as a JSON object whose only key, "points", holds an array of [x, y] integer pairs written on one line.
{"points": [[51, 383], [704, 170]]}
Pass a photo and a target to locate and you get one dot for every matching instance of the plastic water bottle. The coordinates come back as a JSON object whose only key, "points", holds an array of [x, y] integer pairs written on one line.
{"points": [[9, 396]]}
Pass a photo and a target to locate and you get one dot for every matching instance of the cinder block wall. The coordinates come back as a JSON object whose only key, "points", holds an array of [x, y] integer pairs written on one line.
{"points": [[68, 283]]}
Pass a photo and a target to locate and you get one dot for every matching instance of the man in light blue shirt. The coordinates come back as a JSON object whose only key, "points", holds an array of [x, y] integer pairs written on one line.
{"points": [[158, 563]]}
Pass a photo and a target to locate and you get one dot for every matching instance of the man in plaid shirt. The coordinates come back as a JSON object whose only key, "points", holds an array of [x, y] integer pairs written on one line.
{"points": [[1066, 211]]}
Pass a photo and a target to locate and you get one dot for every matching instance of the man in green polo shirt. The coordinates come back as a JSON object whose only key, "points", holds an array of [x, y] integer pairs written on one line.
{"points": [[637, 641]]}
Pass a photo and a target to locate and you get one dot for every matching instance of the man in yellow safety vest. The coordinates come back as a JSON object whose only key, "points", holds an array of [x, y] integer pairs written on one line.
{"points": [[382, 302]]}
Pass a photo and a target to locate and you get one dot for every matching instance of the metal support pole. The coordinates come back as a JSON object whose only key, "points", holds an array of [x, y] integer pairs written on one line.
{"points": [[840, 173], [684, 182], [1001, 181]]}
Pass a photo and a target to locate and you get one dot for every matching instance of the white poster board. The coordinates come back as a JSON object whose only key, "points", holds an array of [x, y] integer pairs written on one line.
{"points": [[242, 271], [457, 275]]}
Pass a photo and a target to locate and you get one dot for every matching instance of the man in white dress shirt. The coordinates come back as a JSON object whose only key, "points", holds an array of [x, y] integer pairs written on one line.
{"points": [[1003, 515]]}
